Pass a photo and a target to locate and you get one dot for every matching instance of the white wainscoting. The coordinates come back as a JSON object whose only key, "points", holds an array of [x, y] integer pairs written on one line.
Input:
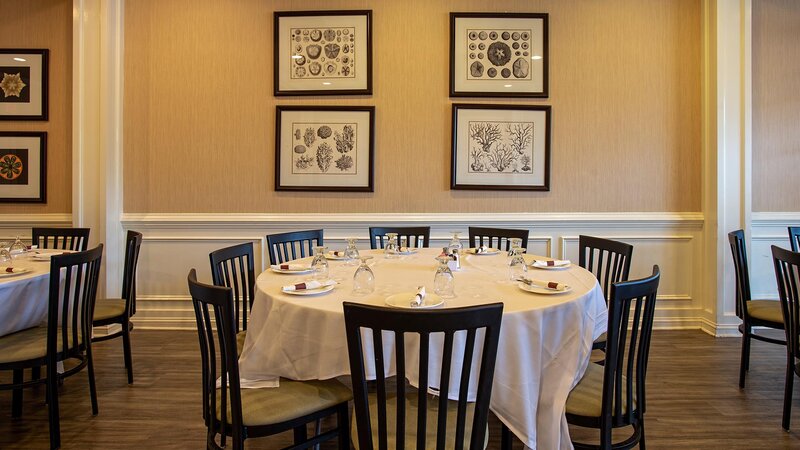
{"points": [[768, 229], [13, 225], [174, 243]]}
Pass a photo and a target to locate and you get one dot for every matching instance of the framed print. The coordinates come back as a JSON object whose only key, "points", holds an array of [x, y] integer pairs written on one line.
{"points": [[501, 147], [23, 84], [23, 166], [324, 148], [498, 55], [323, 53]]}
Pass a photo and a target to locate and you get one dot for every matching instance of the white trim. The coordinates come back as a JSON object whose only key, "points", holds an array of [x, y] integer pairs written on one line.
{"points": [[33, 220], [776, 219]]}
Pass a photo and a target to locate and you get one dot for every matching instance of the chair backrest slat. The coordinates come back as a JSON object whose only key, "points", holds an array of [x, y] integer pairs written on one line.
{"points": [[282, 245], [133, 244], [631, 312], [794, 238], [787, 274], [76, 239], [444, 324], [233, 267], [607, 259], [496, 237], [406, 236], [739, 252]]}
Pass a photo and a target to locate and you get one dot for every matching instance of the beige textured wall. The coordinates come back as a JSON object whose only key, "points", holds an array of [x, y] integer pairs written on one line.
{"points": [[45, 24], [199, 114], [776, 105]]}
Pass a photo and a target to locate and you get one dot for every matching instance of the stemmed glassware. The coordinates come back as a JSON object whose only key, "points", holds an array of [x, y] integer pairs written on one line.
{"points": [[514, 243], [17, 248], [455, 243], [5, 254], [517, 268], [444, 281], [320, 264], [351, 252], [363, 279], [391, 245]]}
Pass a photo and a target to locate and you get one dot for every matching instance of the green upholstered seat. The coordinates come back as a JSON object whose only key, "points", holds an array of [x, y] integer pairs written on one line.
{"points": [[767, 310], [240, 337], [586, 398], [267, 406], [27, 344], [109, 308], [411, 422]]}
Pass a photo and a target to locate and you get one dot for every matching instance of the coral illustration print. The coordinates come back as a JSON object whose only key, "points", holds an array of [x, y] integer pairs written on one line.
{"points": [[328, 148], [500, 147], [498, 54], [15, 84], [323, 53], [13, 166]]}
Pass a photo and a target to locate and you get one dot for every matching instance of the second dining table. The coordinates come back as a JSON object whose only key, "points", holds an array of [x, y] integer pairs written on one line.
{"points": [[545, 340]]}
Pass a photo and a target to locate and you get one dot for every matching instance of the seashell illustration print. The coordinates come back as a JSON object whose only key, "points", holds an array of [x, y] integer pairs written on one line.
{"points": [[332, 50], [329, 35], [499, 53], [316, 35], [476, 69], [313, 51]]}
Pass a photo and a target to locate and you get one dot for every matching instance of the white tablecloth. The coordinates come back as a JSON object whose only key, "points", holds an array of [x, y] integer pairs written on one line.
{"points": [[23, 298], [544, 348]]}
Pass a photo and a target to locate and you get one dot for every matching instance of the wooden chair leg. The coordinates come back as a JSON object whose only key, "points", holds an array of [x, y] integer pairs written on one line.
{"points": [[92, 384], [52, 406], [300, 434], [343, 419], [506, 438], [787, 393], [744, 363], [126, 349], [642, 445], [16, 396]]}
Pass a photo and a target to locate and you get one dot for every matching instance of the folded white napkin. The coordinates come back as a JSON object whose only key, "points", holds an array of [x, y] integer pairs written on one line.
{"points": [[481, 249], [306, 285], [405, 249], [337, 253], [554, 285], [551, 263], [419, 296], [289, 267]]}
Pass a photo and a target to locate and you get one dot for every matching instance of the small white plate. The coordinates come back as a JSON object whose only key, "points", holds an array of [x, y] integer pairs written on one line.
{"points": [[541, 290], [45, 254], [292, 272], [488, 252], [543, 267], [17, 271], [333, 257], [317, 291], [410, 251], [403, 300]]}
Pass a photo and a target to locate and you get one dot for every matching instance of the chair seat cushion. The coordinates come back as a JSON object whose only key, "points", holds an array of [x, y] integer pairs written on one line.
{"points": [[412, 405], [766, 310], [240, 337], [600, 339], [27, 344], [586, 398], [293, 399], [109, 308]]}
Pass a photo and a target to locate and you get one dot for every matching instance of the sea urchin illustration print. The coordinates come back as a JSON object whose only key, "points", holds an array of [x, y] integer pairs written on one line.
{"points": [[12, 84]]}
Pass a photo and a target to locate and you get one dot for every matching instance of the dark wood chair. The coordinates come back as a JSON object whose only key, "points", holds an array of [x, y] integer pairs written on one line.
{"points": [[787, 274], [458, 423], [609, 261], [233, 267], [245, 413], [61, 238], [496, 237], [285, 247], [66, 336], [119, 311], [794, 238], [406, 236], [754, 313], [613, 395]]}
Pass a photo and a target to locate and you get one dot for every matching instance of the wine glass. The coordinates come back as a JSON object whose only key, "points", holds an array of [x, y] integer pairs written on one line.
{"points": [[5, 255], [320, 264], [455, 243], [364, 279], [444, 281], [391, 245], [351, 252], [17, 248], [514, 243], [517, 268]]}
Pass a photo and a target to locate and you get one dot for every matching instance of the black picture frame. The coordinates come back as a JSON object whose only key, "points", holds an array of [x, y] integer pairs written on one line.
{"points": [[294, 70], [512, 74], [322, 131], [28, 149], [490, 144], [24, 95]]}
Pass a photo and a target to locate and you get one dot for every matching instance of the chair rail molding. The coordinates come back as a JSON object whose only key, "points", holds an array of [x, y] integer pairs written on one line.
{"points": [[672, 240]]}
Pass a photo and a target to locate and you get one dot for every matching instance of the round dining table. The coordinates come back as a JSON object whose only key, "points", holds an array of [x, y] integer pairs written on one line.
{"points": [[545, 339], [23, 296]]}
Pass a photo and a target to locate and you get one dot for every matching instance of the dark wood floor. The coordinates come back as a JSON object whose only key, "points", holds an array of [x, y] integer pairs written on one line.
{"points": [[693, 399]]}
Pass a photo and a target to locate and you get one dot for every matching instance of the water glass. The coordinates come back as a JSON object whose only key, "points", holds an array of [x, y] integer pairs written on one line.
{"points": [[455, 243], [320, 264], [513, 244], [351, 252], [5, 255], [17, 248], [390, 250], [443, 281], [517, 268], [364, 279]]}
